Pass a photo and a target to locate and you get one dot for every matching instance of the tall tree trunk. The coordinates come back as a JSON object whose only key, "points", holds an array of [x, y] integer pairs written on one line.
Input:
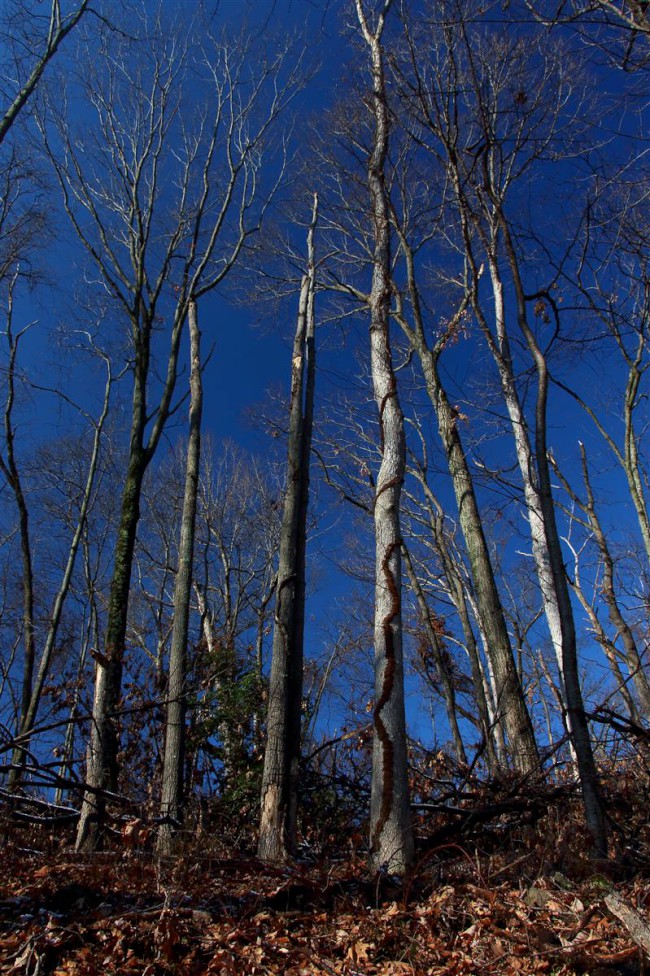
{"points": [[636, 667], [510, 704], [577, 720], [279, 799], [631, 455], [171, 804], [391, 833], [177, 238], [500, 349], [511, 709], [104, 738]]}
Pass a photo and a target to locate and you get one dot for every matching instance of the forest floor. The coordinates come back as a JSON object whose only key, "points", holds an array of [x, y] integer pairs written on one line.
{"points": [[503, 892]]}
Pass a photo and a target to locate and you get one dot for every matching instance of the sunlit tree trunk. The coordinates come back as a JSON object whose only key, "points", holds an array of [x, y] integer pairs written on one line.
{"points": [[499, 345], [104, 738], [391, 836], [631, 464], [510, 704], [171, 805], [577, 723], [279, 799], [637, 670], [480, 182]]}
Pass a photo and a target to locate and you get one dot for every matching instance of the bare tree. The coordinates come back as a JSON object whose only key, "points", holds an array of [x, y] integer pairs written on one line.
{"points": [[32, 685], [454, 582], [10, 470], [391, 837], [41, 46], [443, 677], [510, 704], [622, 631], [279, 801], [617, 29], [163, 205], [486, 148], [172, 774]]}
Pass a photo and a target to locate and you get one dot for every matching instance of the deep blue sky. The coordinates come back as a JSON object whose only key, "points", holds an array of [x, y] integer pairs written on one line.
{"points": [[252, 340]]}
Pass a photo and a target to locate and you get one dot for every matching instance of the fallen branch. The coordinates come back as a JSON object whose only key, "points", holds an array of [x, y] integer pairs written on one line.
{"points": [[637, 927]]}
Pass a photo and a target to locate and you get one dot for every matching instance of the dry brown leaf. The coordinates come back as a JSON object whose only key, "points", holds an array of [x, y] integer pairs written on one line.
{"points": [[359, 952]]}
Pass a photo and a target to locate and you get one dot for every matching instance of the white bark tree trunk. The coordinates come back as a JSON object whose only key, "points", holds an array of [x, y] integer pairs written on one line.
{"points": [[500, 349], [391, 835], [576, 719]]}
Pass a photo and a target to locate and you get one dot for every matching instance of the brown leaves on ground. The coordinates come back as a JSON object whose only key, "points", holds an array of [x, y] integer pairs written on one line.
{"points": [[121, 914], [504, 886]]}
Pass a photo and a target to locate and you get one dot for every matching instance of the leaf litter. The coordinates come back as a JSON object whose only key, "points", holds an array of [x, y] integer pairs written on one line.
{"points": [[124, 915], [474, 905]]}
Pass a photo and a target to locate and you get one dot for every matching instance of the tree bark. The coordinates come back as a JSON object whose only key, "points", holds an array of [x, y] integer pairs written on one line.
{"points": [[171, 805], [510, 705], [500, 349], [104, 739], [577, 720], [631, 456], [511, 710], [391, 833], [279, 799], [636, 925]]}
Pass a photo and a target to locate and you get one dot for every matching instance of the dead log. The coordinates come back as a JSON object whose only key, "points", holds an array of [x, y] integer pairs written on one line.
{"points": [[637, 927]]}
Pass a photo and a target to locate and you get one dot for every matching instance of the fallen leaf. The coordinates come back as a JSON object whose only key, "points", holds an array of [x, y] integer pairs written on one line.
{"points": [[359, 952]]}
